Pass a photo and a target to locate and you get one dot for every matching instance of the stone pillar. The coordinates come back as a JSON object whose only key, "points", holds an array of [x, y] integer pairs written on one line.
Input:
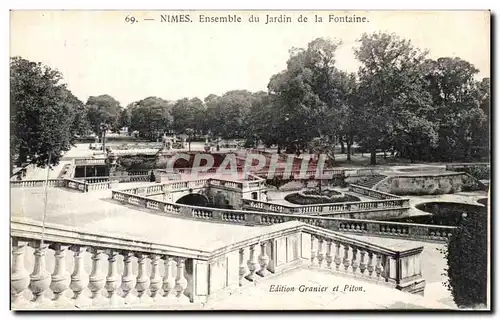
{"points": [[155, 279], [97, 279], [253, 264], [19, 279], [200, 281], [181, 282], [263, 260], [40, 278], [112, 280], [60, 277], [128, 278], [79, 278], [142, 279], [243, 270], [169, 279]]}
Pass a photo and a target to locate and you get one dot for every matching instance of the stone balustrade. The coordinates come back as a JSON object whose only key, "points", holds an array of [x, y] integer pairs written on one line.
{"points": [[36, 183], [226, 183], [56, 276], [92, 180], [372, 193], [327, 208], [302, 174], [139, 173], [423, 232], [52, 273], [90, 161], [400, 269], [76, 184]]}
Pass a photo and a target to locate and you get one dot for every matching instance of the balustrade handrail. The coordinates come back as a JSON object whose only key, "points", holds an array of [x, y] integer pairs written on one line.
{"points": [[294, 227], [32, 230], [293, 216], [324, 204], [392, 196], [36, 181]]}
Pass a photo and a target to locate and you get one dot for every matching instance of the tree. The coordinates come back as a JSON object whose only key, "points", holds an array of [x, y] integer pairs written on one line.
{"points": [[467, 256], [306, 96], [459, 102], [227, 115], [45, 116], [103, 109], [188, 113], [396, 106], [124, 119], [151, 117]]}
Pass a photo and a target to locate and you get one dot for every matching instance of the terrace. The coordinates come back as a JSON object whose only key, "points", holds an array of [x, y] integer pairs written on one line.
{"points": [[160, 252]]}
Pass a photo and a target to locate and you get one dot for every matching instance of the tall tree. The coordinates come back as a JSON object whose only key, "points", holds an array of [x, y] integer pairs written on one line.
{"points": [[188, 114], [392, 90], [306, 95], [103, 109], [124, 119], [151, 117], [457, 98], [227, 114], [44, 116]]}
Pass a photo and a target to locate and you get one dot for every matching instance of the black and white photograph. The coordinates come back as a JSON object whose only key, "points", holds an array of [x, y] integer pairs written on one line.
{"points": [[250, 160]]}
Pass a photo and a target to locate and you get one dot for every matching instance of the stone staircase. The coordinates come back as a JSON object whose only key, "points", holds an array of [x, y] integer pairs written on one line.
{"points": [[372, 181]]}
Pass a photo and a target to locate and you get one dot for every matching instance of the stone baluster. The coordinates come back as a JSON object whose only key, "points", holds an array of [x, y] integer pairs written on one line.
{"points": [[263, 260], [354, 262], [60, 277], [142, 282], [128, 278], [155, 278], [362, 264], [370, 263], [253, 264], [112, 279], [20, 278], [321, 256], [169, 279], [40, 277], [97, 278], [181, 281], [314, 253], [337, 259], [346, 257], [379, 268], [243, 269], [79, 278], [329, 258]]}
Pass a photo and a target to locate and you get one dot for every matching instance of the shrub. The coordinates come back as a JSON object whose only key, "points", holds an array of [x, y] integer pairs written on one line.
{"points": [[315, 197], [468, 261]]}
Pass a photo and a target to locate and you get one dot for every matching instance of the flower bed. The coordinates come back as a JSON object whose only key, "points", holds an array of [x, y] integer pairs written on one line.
{"points": [[308, 197]]}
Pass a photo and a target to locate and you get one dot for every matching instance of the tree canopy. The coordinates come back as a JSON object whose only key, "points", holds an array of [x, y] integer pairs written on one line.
{"points": [[45, 116], [399, 101]]}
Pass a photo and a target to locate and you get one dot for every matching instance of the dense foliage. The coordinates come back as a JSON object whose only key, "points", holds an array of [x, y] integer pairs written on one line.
{"points": [[308, 197], [45, 116], [399, 101], [467, 256]]}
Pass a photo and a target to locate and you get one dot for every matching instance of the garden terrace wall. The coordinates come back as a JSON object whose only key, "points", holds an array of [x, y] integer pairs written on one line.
{"points": [[252, 218], [425, 184], [184, 276]]}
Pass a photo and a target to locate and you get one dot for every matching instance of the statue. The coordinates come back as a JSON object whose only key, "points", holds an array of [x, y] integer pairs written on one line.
{"points": [[207, 145], [167, 144]]}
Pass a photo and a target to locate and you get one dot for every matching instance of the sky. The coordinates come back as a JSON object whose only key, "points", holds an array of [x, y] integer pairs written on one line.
{"points": [[99, 52]]}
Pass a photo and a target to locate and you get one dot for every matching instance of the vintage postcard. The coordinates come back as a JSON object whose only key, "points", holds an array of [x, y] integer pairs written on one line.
{"points": [[250, 160]]}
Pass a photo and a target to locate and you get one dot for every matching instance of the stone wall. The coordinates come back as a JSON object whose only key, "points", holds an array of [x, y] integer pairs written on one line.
{"points": [[424, 184], [233, 197]]}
